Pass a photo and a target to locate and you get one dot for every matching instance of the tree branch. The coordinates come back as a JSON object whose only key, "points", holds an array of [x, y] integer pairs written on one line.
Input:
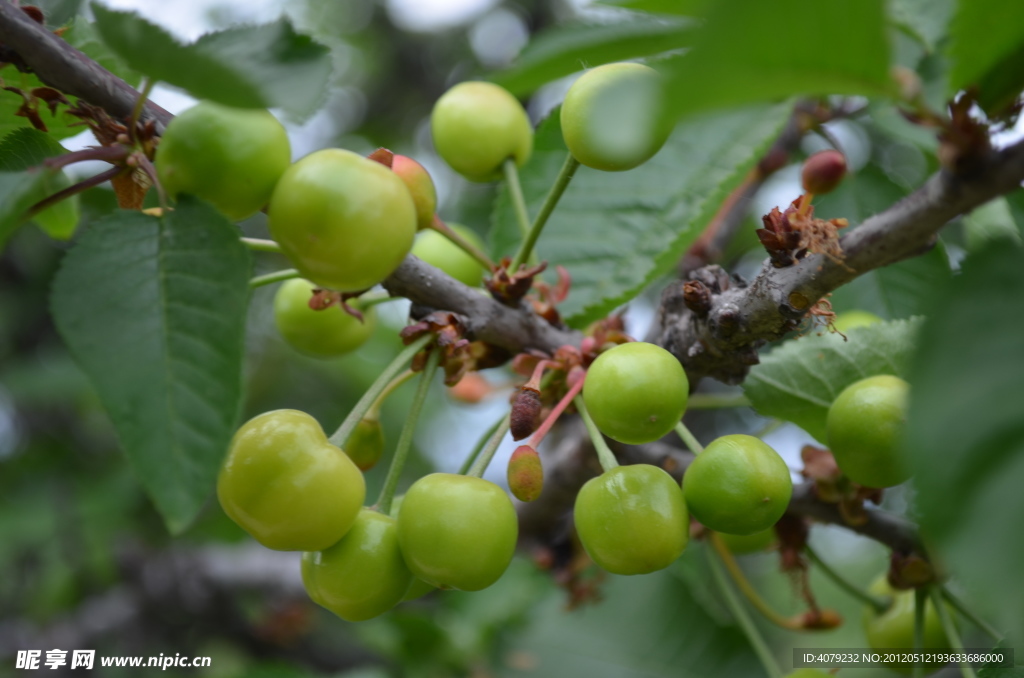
{"points": [[487, 320], [63, 67], [723, 343]]}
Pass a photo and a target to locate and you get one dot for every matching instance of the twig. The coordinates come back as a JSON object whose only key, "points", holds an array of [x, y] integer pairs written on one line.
{"points": [[63, 67]]}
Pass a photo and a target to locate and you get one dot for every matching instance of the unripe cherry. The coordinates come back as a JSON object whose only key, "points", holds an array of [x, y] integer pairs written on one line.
{"points": [[421, 187], [525, 474], [823, 171]]}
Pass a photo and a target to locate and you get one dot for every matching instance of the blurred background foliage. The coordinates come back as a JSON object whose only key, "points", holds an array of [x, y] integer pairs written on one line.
{"points": [[85, 561]]}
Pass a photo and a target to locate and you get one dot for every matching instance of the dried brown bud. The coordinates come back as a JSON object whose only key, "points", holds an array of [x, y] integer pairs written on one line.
{"points": [[525, 474], [823, 171], [525, 418], [697, 297]]}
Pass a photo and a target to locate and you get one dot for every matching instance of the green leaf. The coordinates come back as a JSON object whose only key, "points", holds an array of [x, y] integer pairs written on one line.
{"points": [[82, 36], [987, 50], [58, 126], [798, 380], [751, 50], [965, 432], [564, 50], [1015, 202], [153, 310], [926, 20], [993, 221], [615, 232], [248, 67], [27, 147], [674, 7]]}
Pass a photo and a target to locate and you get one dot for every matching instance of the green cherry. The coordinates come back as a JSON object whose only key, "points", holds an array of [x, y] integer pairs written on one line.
{"points": [[636, 392], [632, 519], [610, 117], [442, 253], [326, 333], [738, 484], [230, 157], [287, 486], [363, 575], [865, 423], [477, 126], [457, 531], [346, 222]]}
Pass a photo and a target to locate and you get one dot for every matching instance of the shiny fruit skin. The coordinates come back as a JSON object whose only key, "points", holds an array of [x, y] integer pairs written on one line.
{"points": [[848, 320], [361, 576], [421, 188], [477, 126], [636, 392], [287, 486], [442, 253], [327, 333], [346, 222], [738, 484], [865, 424], [457, 531], [894, 628], [230, 157], [632, 519], [610, 117], [740, 544]]}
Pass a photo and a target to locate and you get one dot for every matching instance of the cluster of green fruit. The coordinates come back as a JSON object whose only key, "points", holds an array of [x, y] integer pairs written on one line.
{"points": [[346, 222], [636, 519], [292, 490]]}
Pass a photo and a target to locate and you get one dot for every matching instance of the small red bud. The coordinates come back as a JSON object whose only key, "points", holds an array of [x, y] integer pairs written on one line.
{"points": [[525, 418], [525, 474], [823, 171]]}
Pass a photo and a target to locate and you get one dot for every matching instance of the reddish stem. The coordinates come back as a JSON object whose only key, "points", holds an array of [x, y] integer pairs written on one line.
{"points": [[105, 153], [542, 431], [538, 372], [72, 190]]}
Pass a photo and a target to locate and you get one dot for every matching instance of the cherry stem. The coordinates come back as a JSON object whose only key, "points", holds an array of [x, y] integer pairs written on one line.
{"points": [[716, 401], [341, 436], [565, 175], [66, 193], [920, 600], [764, 653], [952, 635], [805, 203], [747, 589], [387, 492], [542, 430], [604, 454], [845, 584], [112, 154], [276, 276], [968, 614], [374, 412], [515, 190], [469, 248], [691, 441], [483, 460], [260, 245], [478, 448]]}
